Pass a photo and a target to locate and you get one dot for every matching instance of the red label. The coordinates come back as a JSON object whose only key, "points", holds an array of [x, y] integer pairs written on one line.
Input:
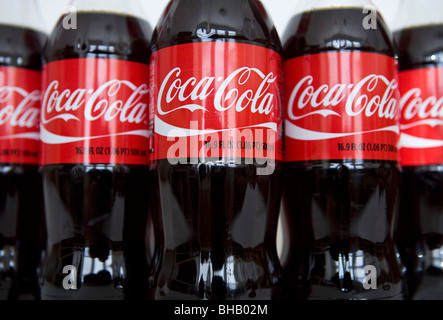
{"points": [[421, 105], [19, 115], [95, 111], [341, 105], [216, 100]]}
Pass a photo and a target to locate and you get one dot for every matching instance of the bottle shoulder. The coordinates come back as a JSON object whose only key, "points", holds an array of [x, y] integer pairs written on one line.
{"points": [[21, 47], [194, 21], [100, 35], [340, 29], [420, 46]]}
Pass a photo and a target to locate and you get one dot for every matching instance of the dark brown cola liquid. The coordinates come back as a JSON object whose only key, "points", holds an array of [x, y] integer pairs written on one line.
{"points": [[97, 214], [22, 229], [420, 229], [219, 220], [339, 215]]}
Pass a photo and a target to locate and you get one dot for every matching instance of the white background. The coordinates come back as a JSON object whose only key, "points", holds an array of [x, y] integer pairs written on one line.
{"points": [[280, 10]]}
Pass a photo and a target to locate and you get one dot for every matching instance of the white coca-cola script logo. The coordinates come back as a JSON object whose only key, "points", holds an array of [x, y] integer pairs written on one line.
{"points": [[305, 94], [256, 98], [420, 112], [413, 106], [258, 101], [60, 105], [364, 100], [26, 113]]}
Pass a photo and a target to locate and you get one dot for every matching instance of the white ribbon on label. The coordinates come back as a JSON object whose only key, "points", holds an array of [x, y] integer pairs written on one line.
{"points": [[408, 141], [413, 142], [429, 122], [295, 132], [324, 113], [27, 135], [51, 138], [167, 130]]}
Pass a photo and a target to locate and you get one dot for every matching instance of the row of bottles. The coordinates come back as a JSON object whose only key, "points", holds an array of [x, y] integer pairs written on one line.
{"points": [[154, 164]]}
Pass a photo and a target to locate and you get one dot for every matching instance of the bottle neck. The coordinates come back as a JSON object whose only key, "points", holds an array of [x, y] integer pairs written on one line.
{"points": [[417, 13], [21, 13], [126, 7]]}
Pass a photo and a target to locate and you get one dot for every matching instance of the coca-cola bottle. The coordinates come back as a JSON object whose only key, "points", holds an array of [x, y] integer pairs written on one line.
{"points": [[21, 218], [341, 170], [95, 141], [215, 78], [419, 39]]}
